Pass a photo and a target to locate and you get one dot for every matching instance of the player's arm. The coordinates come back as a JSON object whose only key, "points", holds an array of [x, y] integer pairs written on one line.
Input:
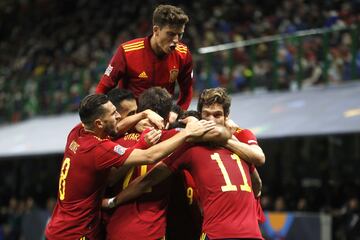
{"points": [[114, 71], [185, 83], [256, 183], [250, 153], [127, 123], [163, 149], [139, 186], [117, 173], [219, 135]]}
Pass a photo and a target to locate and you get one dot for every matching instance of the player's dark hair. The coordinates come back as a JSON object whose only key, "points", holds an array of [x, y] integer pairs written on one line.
{"points": [[214, 95], [156, 99], [184, 115], [176, 109], [91, 107], [169, 15], [190, 113], [117, 95]]}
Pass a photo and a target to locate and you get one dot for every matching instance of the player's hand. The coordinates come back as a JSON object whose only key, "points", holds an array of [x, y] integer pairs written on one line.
{"points": [[198, 128], [152, 137], [155, 119], [143, 124], [189, 119], [231, 125]]}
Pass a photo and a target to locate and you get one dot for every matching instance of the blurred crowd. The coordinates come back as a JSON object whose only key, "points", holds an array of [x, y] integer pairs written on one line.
{"points": [[54, 52]]}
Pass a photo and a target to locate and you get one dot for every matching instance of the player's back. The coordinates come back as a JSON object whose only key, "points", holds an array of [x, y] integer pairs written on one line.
{"points": [[225, 194], [145, 217], [87, 160]]}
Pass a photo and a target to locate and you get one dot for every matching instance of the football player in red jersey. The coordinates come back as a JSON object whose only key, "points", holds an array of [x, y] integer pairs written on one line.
{"points": [[144, 218], [89, 154], [156, 60], [222, 177]]}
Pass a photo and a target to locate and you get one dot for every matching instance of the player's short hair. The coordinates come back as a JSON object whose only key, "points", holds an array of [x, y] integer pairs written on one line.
{"points": [[190, 113], [169, 15], [91, 107], [183, 115], [176, 109], [214, 95], [117, 95], [156, 99]]}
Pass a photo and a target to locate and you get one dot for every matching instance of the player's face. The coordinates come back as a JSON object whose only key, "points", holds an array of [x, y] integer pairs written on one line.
{"points": [[110, 119], [127, 108], [166, 38], [214, 112]]}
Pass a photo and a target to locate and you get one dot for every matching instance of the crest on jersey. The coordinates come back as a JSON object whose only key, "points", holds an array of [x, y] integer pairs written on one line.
{"points": [[119, 149], [173, 74]]}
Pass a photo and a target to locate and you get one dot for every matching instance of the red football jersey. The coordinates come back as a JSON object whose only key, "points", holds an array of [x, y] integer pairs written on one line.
{"points": [[224, 188], [145, 217], [83, 176], [136, 67], [245, 136]]}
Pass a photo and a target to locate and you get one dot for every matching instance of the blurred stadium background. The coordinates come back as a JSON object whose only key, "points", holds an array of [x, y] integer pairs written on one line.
{"points": [[292, 67]]}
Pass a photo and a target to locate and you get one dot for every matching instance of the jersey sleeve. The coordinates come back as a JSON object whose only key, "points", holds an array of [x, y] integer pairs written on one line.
{"points": [[113, 73], [246, 136], [178, 158], [252, 168], [141, 143], [111, 154], [166, 134], [185, 81]]}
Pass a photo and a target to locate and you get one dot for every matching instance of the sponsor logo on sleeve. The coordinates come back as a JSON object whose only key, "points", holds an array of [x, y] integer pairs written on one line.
{"points": [[119, 149], [108, 70], [252, 142]]}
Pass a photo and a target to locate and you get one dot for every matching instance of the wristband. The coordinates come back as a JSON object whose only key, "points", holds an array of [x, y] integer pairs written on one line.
{"points": [[111, 202]]}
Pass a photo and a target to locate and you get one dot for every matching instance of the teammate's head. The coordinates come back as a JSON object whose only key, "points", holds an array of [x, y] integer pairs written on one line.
{"points": [[124, 101], [156, 99], [214, 104], [183, 115], [98, 114], [168, 28]]}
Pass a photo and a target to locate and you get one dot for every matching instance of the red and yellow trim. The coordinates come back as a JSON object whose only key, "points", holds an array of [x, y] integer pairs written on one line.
{"points": [[181, 49], [133, 46]]}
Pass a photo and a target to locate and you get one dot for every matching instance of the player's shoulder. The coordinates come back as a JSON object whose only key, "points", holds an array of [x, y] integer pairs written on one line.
{"points": [[245, 135], [133, 45], [182, 50], [239, 130]]}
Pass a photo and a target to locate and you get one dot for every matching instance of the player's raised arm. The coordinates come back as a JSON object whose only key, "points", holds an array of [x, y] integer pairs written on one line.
{"points": [[250, 153], [130, 121], [139, 186], [163, 149]]}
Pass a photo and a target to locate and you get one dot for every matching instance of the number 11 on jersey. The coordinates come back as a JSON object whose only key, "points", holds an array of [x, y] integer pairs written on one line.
{"points": [[229, 186]]}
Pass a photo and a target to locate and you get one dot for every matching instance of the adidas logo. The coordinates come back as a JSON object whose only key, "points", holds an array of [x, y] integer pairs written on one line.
{"points": [[143, 75]]}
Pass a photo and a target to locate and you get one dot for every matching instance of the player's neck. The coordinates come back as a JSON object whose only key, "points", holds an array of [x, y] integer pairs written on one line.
{"points": [[156, 49], [98, 134]]}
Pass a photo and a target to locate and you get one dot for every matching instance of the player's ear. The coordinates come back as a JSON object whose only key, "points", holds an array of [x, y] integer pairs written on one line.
{"points": [[98, 123], [156, 30]]}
